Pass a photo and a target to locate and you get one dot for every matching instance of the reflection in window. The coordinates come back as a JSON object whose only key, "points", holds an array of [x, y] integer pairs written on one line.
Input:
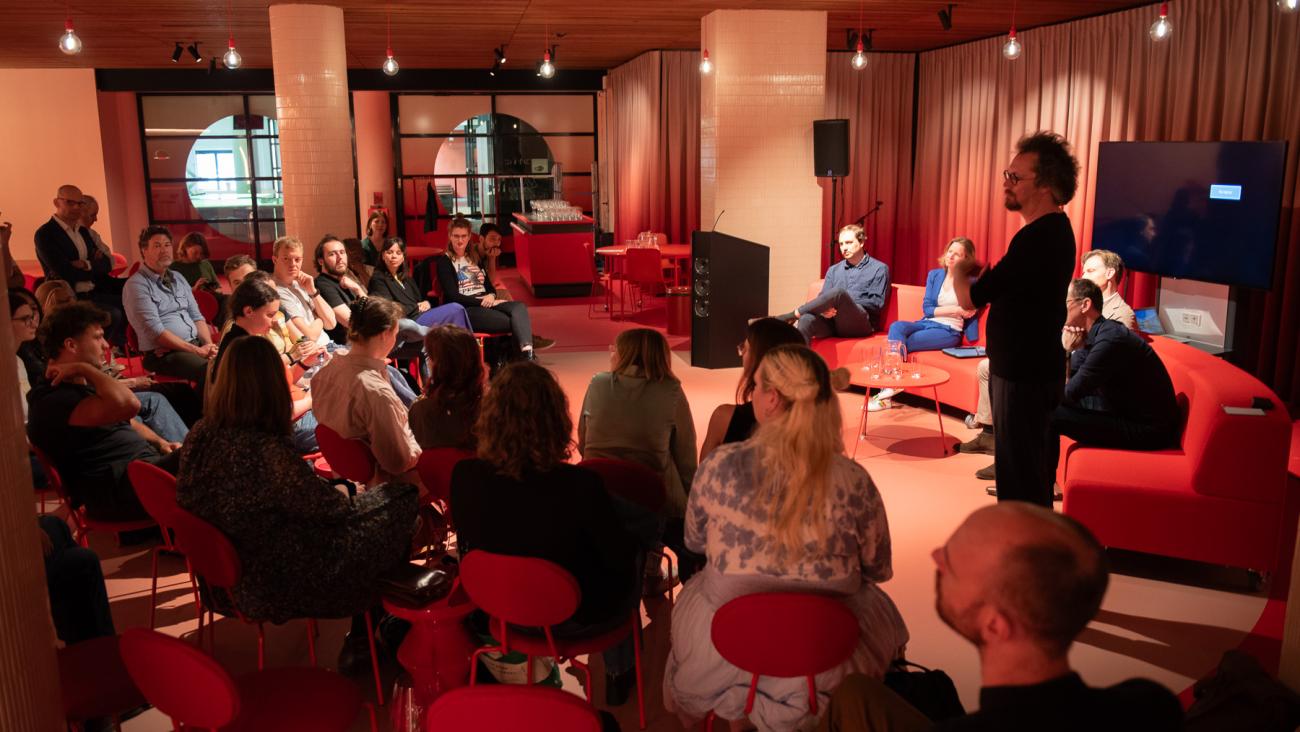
{"points": [[215, 171]]}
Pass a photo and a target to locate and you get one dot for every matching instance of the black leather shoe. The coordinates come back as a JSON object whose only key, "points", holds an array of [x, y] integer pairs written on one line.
{"points": [[618, 688], [354, 656]]}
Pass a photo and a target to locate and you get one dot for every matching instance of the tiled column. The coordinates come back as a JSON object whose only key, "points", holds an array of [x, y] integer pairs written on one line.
{"points": [[29, 677], [311, 99], [756, 137]]}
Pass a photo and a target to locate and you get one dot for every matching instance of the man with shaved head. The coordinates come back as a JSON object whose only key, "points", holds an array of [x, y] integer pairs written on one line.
{"points": [[66, 250], [1020, 583]]}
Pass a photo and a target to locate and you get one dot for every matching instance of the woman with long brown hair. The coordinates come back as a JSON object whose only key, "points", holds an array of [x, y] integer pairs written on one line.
{"points": [[521, 497], [784, 511], [445, 414]]}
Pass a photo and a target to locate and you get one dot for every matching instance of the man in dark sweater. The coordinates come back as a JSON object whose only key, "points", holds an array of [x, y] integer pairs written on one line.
{"points": [[1023, 292], [1020, 583], [852, 295], [1119, 394]]}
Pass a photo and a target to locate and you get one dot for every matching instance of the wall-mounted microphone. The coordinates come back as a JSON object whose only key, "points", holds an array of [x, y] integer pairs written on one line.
{"points": [[715, 221]]}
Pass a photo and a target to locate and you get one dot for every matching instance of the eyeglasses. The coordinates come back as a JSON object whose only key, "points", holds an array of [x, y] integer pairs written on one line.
{"points": [[71, 202], [1010, 177], [28, 319], [742, 348]]}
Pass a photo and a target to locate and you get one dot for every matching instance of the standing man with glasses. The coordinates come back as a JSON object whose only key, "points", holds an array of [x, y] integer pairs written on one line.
{"points": [[1023, 292], [67, 251]]}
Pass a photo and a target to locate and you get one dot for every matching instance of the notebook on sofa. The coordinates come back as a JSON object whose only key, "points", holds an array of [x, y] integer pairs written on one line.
{"points": [[965, 352]]}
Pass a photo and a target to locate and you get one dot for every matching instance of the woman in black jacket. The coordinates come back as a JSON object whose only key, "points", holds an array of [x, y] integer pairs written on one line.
{"points": [[464, 281], [392, 279]]}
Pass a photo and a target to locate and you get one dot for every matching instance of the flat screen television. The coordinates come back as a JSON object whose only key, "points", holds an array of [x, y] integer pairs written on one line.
{"points": [[1204, 211]]}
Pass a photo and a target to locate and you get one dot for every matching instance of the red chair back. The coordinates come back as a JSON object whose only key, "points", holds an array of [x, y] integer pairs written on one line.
{"points": [[643, 266], [631, 481], [434, 469], [348, 457], [183, 682], [784, 634], [207, 303], [510, 708], [156, 489], [119, 264], [210, 553], [519, 590], [51, 473]]}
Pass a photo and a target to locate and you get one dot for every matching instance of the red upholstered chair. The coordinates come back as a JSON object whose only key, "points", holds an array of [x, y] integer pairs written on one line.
{"points": [[156, 489], [535, 593], [207, 303], [93, 682], [434, 469], [785, 635], [195, 691], [635, 483], [82, 524], [119, 264], [643, 271], [350, 458], [507, 708]]}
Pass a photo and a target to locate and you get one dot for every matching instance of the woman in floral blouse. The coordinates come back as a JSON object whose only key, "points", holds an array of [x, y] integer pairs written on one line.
{"points": [[784, 511]]}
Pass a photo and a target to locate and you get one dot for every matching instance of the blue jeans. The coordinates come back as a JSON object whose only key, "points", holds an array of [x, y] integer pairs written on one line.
{"points": [[924, 335], [157, 414], [403, 389], [304, 433], [851, 319]]}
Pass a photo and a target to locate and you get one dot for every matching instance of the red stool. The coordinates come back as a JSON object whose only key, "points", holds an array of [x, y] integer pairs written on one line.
{"points": [[505, 708], [437, 649]]}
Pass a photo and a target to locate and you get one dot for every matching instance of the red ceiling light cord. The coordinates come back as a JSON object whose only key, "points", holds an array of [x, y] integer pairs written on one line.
{"points": [[1014, 4], [388, 26], [230, 30]]}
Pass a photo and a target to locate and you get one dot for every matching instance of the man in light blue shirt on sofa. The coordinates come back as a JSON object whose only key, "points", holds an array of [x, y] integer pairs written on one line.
{"points": [[852, 296], [159, 304]]}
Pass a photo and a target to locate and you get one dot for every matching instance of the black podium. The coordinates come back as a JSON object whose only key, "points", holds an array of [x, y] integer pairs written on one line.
{"points": [[730, 287]]}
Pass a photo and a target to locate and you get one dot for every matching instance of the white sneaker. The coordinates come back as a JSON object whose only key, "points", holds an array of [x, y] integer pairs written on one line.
{"points": [[876, 404], [888, 393], [971, 424]]}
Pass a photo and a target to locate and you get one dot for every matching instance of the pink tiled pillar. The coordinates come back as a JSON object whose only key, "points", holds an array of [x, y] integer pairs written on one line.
{"points": [[756, 137], [311, 99]]}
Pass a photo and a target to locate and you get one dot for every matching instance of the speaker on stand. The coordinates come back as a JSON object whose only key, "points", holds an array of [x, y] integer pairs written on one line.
{"points": [[831, 160]]}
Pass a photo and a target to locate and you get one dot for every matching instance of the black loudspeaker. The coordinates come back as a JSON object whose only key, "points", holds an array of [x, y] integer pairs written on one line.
{"points": [[830, 148], [729, 287]]}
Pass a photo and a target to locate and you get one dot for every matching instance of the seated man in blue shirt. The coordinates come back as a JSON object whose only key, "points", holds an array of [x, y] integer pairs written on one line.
{"points": [[1119, 394], [852, 295], [172, 334]]}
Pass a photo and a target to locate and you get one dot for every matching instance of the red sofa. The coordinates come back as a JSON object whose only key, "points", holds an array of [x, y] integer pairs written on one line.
{"points": [[962, 389], [1218, 498]]}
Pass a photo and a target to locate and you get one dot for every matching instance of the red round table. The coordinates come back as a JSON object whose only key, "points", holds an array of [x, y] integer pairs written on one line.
{"points": [[918, 376]]}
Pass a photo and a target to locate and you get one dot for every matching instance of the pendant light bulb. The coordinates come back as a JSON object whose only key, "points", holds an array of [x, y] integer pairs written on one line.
{"points": [[390, 64], [1012, 48], [706, 66], [1162, 28], [1288, 6], [232, 59], [859, 57], [547, 69], [70, 42]]}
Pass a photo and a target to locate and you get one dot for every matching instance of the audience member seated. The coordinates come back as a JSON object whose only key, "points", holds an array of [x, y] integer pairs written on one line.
{"points": [[294, 348], [67, 251], [1119, 394], [253, 309], [193, 264], [307, 549], [14, 277], [462, 280], [82, 418], [75, 580], [945, 321], [521, 497], [1106, 270], [784, 511], [392, 279], [53, 294], [23, 319], [301, 302], [172, 333], [1020, 583], [376, 234], [488, 249], [354, 397], [735, 422], [852, 295], [444, 416], [357, 266]]}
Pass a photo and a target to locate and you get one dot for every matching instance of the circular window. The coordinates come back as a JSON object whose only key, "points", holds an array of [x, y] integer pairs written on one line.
{"points": [[224, 170]]}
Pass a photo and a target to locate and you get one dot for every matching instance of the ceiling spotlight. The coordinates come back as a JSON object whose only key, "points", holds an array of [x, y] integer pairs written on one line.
{"points": [[176, 52], [547, 69], [193, 48], [495, 66], [1162, 28], [500, 53], [945, 17], [69, 42], [212, 66], [706, 66], [1288, 6], [1012, 48]]}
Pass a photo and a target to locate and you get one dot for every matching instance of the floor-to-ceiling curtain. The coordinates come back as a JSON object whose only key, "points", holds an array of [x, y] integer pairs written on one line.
{"points": [[877, 101], [1228, 73], [679, 147]]}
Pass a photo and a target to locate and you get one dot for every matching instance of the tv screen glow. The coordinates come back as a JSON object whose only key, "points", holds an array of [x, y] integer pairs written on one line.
{"points": [[1204, 211]]}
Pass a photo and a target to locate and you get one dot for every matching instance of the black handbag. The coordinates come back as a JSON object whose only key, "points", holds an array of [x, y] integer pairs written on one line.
{"points": [[414, 585], [931, 691]]}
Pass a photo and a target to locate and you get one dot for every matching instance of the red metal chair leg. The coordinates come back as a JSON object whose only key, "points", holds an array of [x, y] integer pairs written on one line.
{"points": [[636, 647], [374, 660], [153, 590], [938, 412]]}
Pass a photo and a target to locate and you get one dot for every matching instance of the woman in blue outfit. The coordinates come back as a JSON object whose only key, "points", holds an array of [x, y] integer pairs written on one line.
{"points": [[945, 321]]}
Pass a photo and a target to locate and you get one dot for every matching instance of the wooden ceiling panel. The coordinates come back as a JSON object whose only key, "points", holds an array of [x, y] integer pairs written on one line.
{"points": [[590, 34]]}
